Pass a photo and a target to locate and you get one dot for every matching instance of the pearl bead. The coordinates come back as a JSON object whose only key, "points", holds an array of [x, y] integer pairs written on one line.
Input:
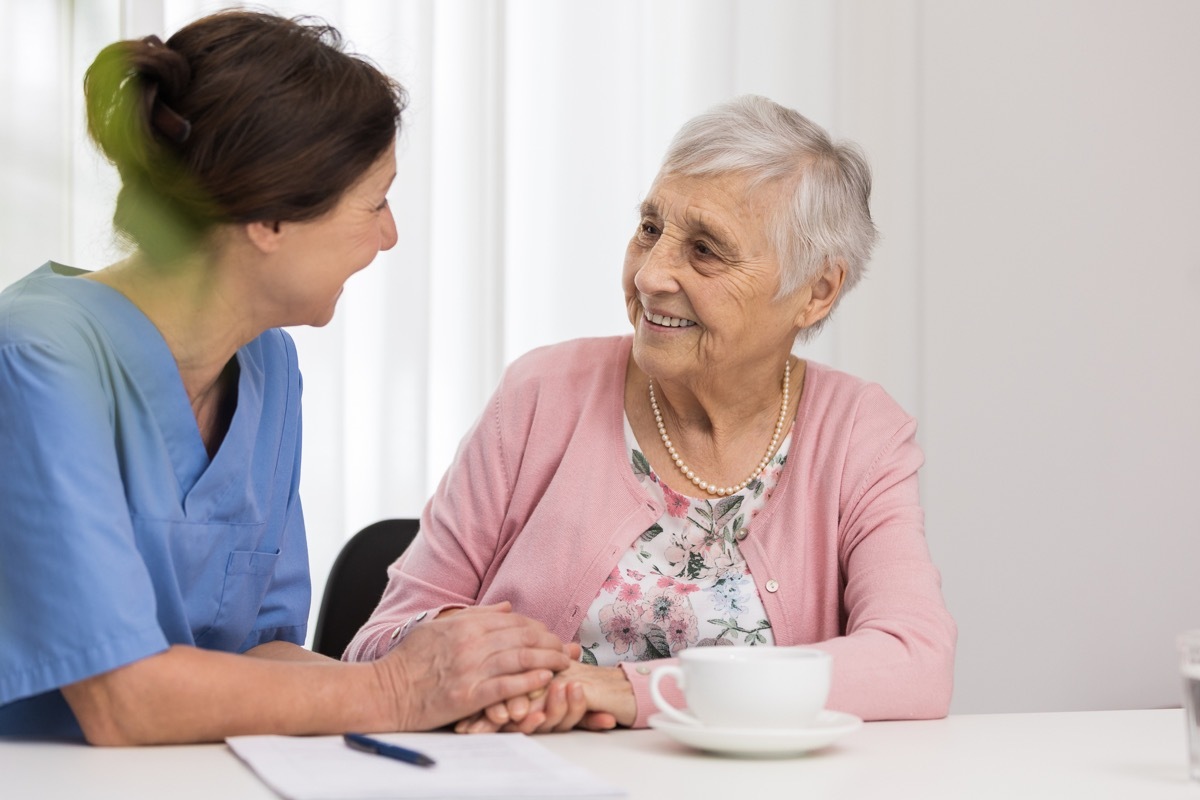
{"points": [[723, 491]]}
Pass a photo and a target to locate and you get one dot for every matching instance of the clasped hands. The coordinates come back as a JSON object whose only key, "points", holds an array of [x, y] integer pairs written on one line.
{"points": [[578, 695]]}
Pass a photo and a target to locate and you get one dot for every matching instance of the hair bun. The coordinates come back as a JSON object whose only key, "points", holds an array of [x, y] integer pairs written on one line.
{"points": [[165, 75], [159, 65], [132, 90]]}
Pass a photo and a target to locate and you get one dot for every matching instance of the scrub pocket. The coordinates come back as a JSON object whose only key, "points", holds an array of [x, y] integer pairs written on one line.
{"points": [[247, 577]]}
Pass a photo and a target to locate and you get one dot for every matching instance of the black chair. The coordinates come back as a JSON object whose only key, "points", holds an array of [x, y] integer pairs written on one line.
{"points": [[357, 580]]}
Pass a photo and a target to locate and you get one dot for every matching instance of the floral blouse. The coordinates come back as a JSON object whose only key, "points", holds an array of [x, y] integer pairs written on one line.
{"points": [[683, 582]]}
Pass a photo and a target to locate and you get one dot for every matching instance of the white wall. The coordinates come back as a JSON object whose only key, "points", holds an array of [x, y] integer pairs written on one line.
{"points": [[1060, 307], [1034, 300]]}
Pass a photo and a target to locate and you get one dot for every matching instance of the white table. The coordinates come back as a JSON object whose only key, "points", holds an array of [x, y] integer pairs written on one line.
{"points": [[1101, 754]]}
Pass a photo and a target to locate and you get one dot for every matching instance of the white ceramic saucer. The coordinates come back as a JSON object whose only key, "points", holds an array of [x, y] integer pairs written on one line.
{"points": [[828, 727]]}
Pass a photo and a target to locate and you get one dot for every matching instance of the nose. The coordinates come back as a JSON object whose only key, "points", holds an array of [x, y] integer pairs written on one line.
{"points": [[388, 235], [656, 273]]}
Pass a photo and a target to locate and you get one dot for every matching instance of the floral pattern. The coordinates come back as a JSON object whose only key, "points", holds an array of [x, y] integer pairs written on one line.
{"points": [[683, 582]]}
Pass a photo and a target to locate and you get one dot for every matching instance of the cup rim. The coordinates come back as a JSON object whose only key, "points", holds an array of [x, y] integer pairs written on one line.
{"points": [[798, 653]]}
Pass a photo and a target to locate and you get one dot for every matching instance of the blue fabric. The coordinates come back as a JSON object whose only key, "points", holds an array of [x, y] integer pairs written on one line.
{"points": [[118, 536]]}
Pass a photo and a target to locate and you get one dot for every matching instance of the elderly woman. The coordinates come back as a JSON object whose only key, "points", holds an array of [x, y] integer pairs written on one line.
{"points": [[154, 578], [695, 484]]}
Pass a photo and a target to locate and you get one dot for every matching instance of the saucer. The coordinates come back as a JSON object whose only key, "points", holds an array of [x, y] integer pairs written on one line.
{"points": [[828, 727]]}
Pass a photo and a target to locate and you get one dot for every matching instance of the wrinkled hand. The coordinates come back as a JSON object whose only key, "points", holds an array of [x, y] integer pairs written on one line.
{"points": [[452, 667], [585, 696]]}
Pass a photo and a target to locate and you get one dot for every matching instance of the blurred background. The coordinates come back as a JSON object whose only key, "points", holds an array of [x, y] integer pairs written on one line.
{"points": [[1035, 301]]}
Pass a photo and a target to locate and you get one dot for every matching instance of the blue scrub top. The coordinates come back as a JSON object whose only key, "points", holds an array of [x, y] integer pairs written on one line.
{"points": [[118, 535]]}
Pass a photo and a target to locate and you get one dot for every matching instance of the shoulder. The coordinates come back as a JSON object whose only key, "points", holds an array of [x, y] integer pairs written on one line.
{"points": [[839, 398], [856, 424], [56, 364], [34, 312], [568, 371], [41, 325], [552, 394]]}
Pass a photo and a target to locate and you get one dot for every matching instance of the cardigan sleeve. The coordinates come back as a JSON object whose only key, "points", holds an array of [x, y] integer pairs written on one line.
{"points": [[896, 658], [446, 564]]}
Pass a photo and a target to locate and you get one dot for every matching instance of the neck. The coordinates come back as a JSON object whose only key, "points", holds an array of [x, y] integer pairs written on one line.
{"points": [[720, 406], [196, 315], [723, 434]]}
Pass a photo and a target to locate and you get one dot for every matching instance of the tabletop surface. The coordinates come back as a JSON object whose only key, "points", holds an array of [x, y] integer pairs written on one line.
{"points": [[1094, 754]]}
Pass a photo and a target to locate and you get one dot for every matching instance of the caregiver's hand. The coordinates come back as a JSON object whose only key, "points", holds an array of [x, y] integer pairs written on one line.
{"points": [[457, 664]]}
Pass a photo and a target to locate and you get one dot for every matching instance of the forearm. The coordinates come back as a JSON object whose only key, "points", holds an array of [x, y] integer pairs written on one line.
{"points": [[286, 651], [879, 675], [896, 657], [190, 695], [385, 630]]}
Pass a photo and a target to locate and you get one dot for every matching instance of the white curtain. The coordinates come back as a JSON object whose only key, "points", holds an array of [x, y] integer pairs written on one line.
{"points": [[534, 128]]}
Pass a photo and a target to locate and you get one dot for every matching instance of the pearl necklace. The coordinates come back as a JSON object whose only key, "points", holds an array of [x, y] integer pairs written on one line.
{"points": [[712, 488]]}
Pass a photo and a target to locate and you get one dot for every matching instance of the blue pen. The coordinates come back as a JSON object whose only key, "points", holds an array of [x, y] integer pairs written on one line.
{"points": [[368, 745]]}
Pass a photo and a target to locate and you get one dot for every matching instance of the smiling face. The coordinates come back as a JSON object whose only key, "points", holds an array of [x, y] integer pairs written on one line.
{"points": [[315, 258], [701, 277]]}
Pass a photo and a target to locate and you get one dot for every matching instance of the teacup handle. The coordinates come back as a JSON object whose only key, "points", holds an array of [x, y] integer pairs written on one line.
{"points": [[666, 708]]}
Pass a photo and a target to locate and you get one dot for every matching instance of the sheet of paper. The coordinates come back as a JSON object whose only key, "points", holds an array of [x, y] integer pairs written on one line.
{"points": [[486, 766]]}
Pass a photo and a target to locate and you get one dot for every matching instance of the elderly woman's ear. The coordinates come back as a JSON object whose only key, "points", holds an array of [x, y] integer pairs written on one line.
{"points": [[819, 295]]}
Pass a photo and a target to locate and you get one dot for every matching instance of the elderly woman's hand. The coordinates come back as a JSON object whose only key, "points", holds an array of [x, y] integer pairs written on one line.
{"points": [[585, 696]]}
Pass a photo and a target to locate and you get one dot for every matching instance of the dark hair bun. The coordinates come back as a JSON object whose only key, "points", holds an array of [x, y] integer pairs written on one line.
{"points": [[124, 88]]}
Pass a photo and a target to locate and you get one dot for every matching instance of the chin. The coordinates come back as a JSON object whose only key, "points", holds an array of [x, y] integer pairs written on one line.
{"points": [[324, 317]]}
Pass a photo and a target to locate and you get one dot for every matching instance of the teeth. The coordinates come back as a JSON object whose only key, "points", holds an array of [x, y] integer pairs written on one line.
{"points": [[670, 322]]}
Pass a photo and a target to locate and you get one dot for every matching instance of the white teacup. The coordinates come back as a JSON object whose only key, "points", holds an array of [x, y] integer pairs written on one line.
{"points": [[747, 687]]}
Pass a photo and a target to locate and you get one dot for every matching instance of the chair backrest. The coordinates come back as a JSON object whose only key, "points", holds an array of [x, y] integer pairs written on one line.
{"points": [[357, 580]]}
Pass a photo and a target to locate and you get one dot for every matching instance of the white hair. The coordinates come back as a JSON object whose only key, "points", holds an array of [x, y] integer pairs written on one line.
{"points": [[829, 216]]}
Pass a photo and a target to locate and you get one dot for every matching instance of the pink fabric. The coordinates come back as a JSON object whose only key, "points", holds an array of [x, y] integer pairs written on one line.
{"points": [[540, 503]]}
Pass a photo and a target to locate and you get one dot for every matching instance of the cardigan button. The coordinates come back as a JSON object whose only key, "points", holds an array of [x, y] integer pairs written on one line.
{"points": [[772, 586], [642, 670], [396, 632], [742, 534]]}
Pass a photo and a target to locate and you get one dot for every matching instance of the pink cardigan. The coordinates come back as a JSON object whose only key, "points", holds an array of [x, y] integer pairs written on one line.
{"points": [[541, 502]]}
